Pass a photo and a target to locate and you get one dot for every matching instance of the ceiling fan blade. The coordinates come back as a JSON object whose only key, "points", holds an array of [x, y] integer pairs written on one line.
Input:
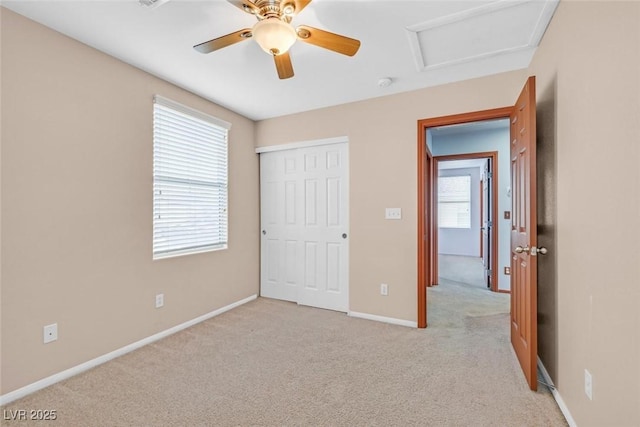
{"points": [[283, 65], [335, 42], [223, 41], [245, 5]]}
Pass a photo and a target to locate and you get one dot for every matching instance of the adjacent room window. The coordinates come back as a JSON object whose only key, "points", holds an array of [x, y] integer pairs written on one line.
{"points": [[454, 201], [189, 180]]}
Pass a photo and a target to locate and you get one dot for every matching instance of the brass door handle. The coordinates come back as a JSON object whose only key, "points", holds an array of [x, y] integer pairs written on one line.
{"points": [[533, 250], [541, 250]]}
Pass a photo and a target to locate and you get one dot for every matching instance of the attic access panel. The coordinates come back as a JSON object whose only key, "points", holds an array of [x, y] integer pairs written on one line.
{"points": [[499, 28]]}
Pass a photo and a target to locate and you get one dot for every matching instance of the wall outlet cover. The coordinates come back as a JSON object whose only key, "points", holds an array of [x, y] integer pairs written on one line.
{"points": [[384, 289], [50, 333]]}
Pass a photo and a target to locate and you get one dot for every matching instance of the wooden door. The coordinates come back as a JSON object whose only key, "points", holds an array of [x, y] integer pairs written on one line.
{"points": [[524, 303], [304, 215], [487, 223]]}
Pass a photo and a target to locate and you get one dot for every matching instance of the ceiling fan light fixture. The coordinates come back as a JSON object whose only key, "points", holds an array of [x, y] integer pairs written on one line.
{"points": [[274, 36]]}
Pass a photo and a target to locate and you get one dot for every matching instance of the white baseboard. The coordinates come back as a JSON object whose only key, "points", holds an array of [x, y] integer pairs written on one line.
{"points": [[556, 395], [383, 319], [46, 382]]}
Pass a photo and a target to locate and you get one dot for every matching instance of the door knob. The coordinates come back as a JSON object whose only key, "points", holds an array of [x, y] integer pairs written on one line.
{"points": [[520, 249], [264, 232], [541, 250], [344, 235]]}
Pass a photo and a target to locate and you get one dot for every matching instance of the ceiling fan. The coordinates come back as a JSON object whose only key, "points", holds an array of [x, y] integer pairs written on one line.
{"points": [[275, 34]]}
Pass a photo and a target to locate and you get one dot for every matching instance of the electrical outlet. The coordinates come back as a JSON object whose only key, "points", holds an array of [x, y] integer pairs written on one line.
{"points": [[159, 300], [507, 271], [50, 333], [384, 289], [588, 384]]}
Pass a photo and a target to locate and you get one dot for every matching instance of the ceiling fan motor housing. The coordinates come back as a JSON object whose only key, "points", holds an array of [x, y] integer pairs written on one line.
{"points": [[265, 9]]}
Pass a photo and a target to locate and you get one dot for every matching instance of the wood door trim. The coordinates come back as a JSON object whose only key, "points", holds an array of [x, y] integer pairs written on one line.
{"points": [[481, 215], [425, 189], [433, 242], [425, 166]]}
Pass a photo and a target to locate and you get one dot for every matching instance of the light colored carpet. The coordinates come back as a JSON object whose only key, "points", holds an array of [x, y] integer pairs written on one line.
{"points": [[463, 269], [271, 363]]}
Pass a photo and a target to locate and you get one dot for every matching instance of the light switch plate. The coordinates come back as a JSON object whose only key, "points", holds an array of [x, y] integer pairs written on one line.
{"points": [[588, 384], [393, 213]]}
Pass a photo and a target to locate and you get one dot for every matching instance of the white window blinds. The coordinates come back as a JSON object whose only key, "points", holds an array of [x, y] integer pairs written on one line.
{"points": [[189, 180], [454, 201]]}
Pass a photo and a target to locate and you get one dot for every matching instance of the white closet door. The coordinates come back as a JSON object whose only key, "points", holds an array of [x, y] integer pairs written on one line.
{"points": [[281, 224], [304, 214]]}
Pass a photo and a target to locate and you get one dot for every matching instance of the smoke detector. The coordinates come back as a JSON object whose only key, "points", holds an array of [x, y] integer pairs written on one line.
{"points": [[385, 82], [152, 4]]}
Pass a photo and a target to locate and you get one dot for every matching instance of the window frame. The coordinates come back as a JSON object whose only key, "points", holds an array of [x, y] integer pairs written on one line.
{"points": [[197, 190], [466, 225]]}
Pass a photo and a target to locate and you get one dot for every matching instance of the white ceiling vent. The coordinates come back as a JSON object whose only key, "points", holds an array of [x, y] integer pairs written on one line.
{"points": [[152, 4]]}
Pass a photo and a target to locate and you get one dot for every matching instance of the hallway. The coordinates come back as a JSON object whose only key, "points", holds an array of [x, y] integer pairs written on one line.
{"points": [[461, 292], [462, 269]]}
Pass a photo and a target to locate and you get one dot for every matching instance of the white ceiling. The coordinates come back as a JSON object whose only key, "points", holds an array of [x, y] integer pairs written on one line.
{"points": [[415, 43]]}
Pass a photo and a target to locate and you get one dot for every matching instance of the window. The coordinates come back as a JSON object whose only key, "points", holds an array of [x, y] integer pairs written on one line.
{"points": [[189, 180], [454, 201]]}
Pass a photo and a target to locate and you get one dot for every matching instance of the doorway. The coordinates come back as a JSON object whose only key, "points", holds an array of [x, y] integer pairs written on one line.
{"points": [[467, 238], [427, 177]]}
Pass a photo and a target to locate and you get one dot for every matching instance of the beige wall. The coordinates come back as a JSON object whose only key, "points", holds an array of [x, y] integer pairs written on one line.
{"points": [[588, 73], [383, 173], [77, 208]]}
